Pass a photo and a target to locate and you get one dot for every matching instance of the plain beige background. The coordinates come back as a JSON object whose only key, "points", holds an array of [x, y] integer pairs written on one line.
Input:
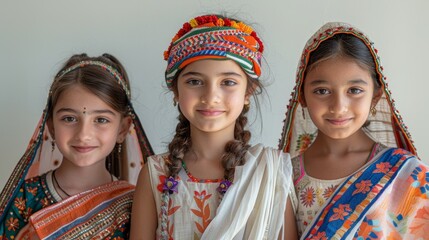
{"points": [[38, 36]]}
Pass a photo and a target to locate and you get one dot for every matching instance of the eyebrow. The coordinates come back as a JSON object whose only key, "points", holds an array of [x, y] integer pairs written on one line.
{"points": [[101, 111], [350, 82], [219, 74]]}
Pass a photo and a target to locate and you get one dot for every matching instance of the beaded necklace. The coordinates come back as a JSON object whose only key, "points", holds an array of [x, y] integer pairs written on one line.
{"points": [[224, 183]]}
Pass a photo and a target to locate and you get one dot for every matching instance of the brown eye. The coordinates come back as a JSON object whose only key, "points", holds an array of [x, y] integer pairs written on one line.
{"points": [[229, 83], [69, 119], [355, 90], [102, 120], [194, 82], [321, 91]]}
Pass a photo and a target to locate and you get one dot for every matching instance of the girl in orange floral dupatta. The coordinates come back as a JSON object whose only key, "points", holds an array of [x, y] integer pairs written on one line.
{"points": [[356, 174], [76, 178]]}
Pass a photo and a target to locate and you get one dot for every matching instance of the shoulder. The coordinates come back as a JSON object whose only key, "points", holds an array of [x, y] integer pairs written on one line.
{"points": [[157, 162], [261, 149]]}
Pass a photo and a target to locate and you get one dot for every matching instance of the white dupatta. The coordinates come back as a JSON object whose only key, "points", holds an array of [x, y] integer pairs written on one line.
{"points": [[254, 206]]}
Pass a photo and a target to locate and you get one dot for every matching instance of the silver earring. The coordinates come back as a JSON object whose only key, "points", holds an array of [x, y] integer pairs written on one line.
{"points": [[119, 147]]}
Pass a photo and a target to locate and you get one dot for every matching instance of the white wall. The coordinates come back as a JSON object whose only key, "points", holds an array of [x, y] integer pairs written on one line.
{"points": [[36, 37]]}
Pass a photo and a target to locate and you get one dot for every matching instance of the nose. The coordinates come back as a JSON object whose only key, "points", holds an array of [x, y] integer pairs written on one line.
{"points": [[211, 95], [84, 131], [339, 104]]}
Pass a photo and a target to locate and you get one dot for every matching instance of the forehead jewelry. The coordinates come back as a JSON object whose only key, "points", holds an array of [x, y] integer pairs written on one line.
{"points": [[84, 110]]}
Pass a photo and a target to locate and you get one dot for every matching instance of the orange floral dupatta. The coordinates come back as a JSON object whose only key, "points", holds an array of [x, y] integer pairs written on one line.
{"points": [[91, 214]]}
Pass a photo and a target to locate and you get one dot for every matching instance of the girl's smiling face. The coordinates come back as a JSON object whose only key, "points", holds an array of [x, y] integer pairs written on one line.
{"points": [[339, 95], [85, 128], [211, 95]]}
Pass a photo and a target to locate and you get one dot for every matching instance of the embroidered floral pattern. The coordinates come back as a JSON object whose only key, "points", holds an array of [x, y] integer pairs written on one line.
{"points": [[343, 210], [223, 186], [369, 229], [303, 142], [362, 187], [203, 210], [329, 191], [32, 190], [167, 184], [382, 167], [319, 236], [308, 196], [12, 224], [20, 204], [420, 227]]}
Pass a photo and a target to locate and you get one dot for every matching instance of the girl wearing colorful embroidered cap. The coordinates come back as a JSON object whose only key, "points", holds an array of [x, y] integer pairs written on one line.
{"points": [[356, 174], [212, 184], [66, 185]]}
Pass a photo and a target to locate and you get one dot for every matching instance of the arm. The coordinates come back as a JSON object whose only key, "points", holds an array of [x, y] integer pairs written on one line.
{"points": [[144, 221], [289, 227]]}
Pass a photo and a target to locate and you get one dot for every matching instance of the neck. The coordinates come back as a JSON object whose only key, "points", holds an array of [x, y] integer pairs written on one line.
{"points": [[74, 179], [357, 142], [210, 146]]}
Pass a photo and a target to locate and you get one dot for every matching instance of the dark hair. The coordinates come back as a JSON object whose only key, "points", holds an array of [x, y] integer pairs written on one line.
{"points": [[235, 150], [101, 83], [345, 45]]}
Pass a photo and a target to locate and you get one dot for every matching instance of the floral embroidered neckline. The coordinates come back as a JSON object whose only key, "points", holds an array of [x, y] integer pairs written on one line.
{"points": [[224, 184]]}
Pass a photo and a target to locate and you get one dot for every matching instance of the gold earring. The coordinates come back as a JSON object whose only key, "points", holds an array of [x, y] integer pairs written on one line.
{"points": [[246, 107], [53, 145], [373, 111]]}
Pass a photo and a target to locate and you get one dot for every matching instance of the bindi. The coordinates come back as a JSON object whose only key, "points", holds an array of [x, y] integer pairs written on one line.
{"points": [[84, 110]]}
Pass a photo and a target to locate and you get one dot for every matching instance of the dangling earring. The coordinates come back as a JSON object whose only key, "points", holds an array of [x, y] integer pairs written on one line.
{"points": [[119, 147], [373, 111], [53, 145], [303, 113], [174, 102], [246, 107]]}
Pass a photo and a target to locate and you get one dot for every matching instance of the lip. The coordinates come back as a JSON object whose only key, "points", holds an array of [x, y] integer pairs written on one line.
{"points": [[83, 149], [210, 112], [339, 121]]}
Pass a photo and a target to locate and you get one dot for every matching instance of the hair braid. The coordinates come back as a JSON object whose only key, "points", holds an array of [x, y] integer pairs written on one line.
{"points": [[235, 150], [179, 146]]}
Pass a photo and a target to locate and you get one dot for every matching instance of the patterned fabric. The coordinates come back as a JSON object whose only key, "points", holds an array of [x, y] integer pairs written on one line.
{"points": [[195, 203], [38, 212], [198, 211], [388, 199], [385, 127], [384, 199], [311, 193], [39, 157], [213, 37]]}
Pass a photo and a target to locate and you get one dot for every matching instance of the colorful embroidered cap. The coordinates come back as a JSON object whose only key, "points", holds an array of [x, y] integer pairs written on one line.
{"points": [[214, 37]]}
